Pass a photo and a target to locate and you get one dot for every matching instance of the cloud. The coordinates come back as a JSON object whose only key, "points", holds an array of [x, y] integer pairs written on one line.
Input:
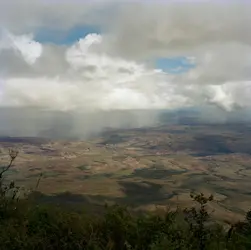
{"points": [[22, 16], [115, 70], [167, 28], [92, 80], [222, 63], [24, 45], [84, 77]]}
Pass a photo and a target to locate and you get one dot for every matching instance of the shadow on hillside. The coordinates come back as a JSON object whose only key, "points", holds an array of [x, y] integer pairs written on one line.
{"points": [[142, 193], [135, 194], [158, 173], [70, 200]]}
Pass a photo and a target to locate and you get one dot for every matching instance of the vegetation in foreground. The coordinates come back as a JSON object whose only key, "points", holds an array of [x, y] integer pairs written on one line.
{"points": [[25, 224]]}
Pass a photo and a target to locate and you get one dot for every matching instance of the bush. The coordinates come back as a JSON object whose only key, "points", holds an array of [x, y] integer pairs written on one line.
{"points": [[25, 224]]}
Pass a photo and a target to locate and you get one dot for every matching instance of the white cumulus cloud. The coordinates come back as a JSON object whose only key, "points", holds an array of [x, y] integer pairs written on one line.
{"points": [[24, 45], [94, 80]]}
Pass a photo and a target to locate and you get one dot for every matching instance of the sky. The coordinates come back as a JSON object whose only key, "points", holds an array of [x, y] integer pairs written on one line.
{"points": [[104, 55]]}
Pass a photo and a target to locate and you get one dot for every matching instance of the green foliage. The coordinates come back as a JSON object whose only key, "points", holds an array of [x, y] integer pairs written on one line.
{"points": [[26, 225]]}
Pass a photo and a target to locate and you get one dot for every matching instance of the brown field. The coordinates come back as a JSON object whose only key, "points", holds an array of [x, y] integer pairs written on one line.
{"points": [[142, 168]]}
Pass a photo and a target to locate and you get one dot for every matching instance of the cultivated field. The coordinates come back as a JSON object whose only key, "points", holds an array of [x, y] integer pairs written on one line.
{"points": [[143, 168]]}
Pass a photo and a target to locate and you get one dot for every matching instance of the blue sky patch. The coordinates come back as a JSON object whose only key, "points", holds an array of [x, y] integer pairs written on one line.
{"points": [[174, 65], [62, 37]]}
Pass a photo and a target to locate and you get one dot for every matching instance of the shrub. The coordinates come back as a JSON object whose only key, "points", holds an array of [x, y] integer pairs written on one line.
{"points": [[27, 225]]}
